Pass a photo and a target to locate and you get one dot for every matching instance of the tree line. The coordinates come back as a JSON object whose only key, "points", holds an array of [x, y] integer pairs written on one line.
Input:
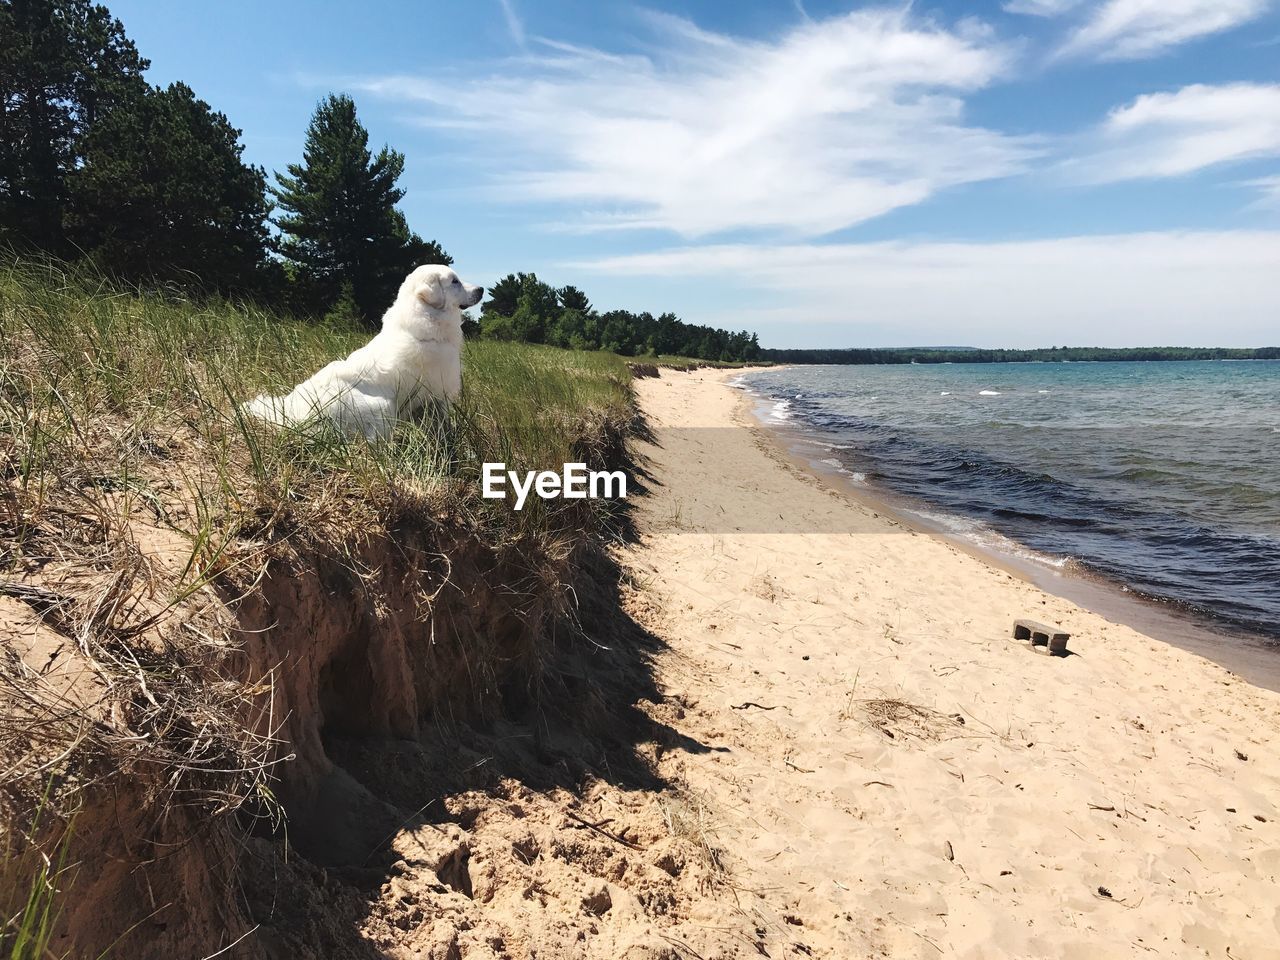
{"points": [[1041, 355], [522, 307], [150, 185]]}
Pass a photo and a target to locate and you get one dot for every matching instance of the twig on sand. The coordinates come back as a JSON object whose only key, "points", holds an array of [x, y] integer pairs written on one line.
{"points": [[928, 941], [1119, 901], [600, 830], [599, 823], [750, 703], [794, 767], [47, 603]]}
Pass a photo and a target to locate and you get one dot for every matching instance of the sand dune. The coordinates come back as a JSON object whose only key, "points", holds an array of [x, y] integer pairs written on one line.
{"points": [[887, 773]]}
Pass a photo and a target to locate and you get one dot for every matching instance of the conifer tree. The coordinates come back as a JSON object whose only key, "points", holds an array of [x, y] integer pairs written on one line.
{"points": [[340, 223], [163, 194], [64, 64]]}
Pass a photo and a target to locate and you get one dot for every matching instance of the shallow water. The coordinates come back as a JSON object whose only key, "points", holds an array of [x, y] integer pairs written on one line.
{"points": [[1163, 476]]}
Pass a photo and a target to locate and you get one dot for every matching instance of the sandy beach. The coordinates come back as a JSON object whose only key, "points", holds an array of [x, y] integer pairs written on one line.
{"points": [[886, 773]]}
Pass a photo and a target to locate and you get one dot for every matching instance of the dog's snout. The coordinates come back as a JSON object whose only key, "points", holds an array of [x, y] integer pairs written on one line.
{"points": [[479, 291]]}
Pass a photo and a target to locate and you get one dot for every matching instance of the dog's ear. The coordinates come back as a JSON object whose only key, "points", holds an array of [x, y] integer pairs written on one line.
{"points": [[431, 292]]}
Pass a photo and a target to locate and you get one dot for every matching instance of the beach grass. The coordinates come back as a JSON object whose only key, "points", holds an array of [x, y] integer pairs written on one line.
{"points": [[105, 388]]}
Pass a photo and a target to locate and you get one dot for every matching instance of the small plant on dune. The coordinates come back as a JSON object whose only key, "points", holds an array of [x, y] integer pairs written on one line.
{"points": [[895, 717], [28, 925], [688, 817], [30, 931], [345, 312]]}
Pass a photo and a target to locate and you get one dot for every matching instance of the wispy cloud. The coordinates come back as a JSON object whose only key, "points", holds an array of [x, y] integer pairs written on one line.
{"points": [[1116, 290], [1041, 8], [1269, 190], [835, 122], [515, 26], [1136, 29], [1177, 133]]}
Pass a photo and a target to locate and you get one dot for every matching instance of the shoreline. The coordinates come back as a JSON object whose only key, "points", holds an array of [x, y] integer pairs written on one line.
{"points": [[881, 770], [1246, 654]]}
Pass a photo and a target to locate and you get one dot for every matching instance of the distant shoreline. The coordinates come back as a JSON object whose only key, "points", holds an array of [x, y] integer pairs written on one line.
{"points": [[871, 356]]}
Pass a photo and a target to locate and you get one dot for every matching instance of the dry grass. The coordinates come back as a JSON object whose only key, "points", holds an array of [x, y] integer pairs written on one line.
{"points": [[898, 718], [689, 817], [136, 503], [767, 588]]}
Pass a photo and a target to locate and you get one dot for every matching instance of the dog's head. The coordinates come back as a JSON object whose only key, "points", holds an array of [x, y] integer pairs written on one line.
{"points": [[439, 288]]}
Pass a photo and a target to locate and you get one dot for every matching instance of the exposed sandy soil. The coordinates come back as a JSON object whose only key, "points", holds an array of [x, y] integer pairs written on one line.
{"points": [[890, 774]]}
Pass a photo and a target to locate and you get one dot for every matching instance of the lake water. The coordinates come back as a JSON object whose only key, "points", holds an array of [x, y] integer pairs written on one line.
{"points": [[1163, 477]]}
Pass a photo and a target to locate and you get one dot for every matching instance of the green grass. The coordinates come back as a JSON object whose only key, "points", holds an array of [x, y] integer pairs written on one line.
{"points": [[104, 388]]}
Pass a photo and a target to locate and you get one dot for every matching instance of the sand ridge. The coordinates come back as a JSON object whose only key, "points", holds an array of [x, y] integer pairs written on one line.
{"points": [[890, 773]]}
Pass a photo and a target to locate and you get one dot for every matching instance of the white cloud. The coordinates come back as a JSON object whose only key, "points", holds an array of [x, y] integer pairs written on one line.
{"points": [[1041, 8], [1171, 134], [1134, 29], [1177, 288], [831, 124], [1269, 188], [515, 26]]}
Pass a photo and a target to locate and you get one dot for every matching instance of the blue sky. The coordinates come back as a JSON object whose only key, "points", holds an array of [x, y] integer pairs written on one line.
{"points": [[1021, 173]]}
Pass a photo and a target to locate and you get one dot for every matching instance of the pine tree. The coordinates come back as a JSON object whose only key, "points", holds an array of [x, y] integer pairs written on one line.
{"points": [[163, 194], [340, 222], [505, 295], [344, 314], [571, 298], [64, 64]]}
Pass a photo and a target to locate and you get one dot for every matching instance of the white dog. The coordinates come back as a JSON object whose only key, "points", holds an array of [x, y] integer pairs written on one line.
{"points": [[416, 358]]}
